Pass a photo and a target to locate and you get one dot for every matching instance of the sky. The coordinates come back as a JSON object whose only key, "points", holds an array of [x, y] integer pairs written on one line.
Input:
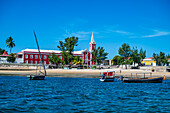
{"points": [[140, 23]]}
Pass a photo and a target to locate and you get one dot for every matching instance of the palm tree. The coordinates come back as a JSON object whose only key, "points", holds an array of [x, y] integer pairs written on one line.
{"points": [[10, 43], [77, 60], [99, 55]]}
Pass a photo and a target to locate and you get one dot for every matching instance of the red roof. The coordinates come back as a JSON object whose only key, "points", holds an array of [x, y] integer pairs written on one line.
{"points": [[150, 58], [5, 54]]}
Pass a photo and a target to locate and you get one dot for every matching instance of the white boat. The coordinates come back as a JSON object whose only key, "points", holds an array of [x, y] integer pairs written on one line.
{"points": [[107, 76]]}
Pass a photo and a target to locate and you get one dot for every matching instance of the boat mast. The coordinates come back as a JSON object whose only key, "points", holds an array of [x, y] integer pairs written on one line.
{"points": [[40, 53]]}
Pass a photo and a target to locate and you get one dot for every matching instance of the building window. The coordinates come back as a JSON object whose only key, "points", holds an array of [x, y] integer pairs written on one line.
{"points": [[86, 57], [45, 57], [36, 56], [31, 56], [35, 62], [26, 61], [31, 61], [26, 56]]}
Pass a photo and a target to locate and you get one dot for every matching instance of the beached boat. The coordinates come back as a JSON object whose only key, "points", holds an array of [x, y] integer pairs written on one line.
{"points": [[41, 75], [144, 80], [108, 76]]}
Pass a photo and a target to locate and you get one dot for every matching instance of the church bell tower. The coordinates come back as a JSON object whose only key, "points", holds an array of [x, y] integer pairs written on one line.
{"points": [[92, 44]]}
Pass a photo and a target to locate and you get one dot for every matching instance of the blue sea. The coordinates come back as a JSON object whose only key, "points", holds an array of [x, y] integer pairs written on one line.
{"points": [[65, 95]]}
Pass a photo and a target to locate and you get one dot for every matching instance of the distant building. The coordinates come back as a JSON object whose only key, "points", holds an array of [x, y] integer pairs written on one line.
{"points": [[3, 57], [31, 56], [149, 61], [169, 61]]}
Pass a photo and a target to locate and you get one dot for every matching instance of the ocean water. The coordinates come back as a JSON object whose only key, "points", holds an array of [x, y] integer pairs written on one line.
{"points": [[18, 94]]}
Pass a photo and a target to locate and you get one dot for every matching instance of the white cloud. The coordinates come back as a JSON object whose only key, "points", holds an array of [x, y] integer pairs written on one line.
{"points": [[123, 32], [158, 33], [82, 35]]}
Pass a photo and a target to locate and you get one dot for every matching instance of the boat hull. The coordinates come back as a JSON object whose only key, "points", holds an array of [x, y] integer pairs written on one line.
{"points": [[36, 77], [152, 80], [107, 80]]}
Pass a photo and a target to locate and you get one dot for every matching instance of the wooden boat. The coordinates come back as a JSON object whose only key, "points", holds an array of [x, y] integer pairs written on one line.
{"points": [[108, 76], [36, 77], [41, 75], [144, 80]]}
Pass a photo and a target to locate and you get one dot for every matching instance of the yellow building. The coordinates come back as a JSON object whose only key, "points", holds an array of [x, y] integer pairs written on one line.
{"points": [[149, 62]]}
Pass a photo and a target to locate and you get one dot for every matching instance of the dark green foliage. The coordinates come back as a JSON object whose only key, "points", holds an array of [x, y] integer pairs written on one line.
{"points": [[117, 60], [10, 43], [99, 55], [168, 56], [1, 51], [142, 54], [125, 52], [135, 56], [54, 59], [11, 58], [78, 60], [131, 55], [67, 48], [160, 58]]}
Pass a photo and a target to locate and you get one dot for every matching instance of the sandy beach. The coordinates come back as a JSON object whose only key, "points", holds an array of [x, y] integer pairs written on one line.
{"points": [[84, 73]]}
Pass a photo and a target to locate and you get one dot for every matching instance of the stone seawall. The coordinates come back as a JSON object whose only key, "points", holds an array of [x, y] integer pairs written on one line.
{"points": [[154, 68]]}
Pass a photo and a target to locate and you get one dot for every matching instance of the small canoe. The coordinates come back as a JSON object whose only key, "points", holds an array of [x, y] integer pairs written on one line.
{"points": [[144, 80]]}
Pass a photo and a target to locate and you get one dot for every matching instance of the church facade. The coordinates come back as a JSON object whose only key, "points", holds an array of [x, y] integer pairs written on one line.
{"points": [[31, 56]]}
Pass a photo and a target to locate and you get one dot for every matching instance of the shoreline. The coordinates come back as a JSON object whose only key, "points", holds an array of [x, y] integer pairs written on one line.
{"points": [[85, 73]]}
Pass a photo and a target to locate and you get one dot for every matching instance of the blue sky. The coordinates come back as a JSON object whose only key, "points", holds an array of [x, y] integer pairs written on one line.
{"points": [[140, 23]]}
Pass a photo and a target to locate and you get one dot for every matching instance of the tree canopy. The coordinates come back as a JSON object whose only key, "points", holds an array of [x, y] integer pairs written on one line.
{"points": [[125, 52], [54, 59], [10, 43], [67, 49], [142, 54], [11, 58], [130, 55], [98, 55], [78, 60], [160, 58], [135, 56], [117, 60], [1, 51]]}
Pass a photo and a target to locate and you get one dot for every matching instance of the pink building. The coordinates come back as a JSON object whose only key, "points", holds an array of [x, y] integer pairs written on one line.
{"points": [[31, 56]]}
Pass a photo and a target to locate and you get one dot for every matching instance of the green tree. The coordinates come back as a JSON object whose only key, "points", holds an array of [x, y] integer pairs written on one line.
{"points": [[125, 52], [1, 51], [67, 49], [99, 55], [160, 58], [54, 59], [168, 56], [135, 56], [142, 54], [118, 60], [11, 58], [78, 60], [10, 43]]}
